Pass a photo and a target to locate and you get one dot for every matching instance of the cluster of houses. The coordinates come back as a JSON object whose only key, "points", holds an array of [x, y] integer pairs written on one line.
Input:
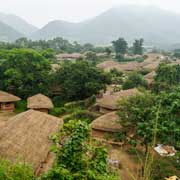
{"points": [[25, 135]]}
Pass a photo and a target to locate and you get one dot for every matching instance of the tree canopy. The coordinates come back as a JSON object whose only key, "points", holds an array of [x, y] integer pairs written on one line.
{"points": [[24, 72], [80, 80]]}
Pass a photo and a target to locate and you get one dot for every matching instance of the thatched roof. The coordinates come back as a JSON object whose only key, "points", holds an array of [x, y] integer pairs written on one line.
{"points": [[6, 97], [26, 136], [150, 76], [69, 56], [39, 101], [108, 122], [110, 101]]}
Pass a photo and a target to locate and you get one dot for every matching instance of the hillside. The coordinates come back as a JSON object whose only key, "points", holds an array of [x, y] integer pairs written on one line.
{"points": [[156, 26], [7, 33], [17, 23]]}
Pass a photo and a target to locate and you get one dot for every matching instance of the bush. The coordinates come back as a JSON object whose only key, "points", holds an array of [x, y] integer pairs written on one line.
{"points": [[135, 80], [57, 111], [82, 115], [21, 106], [15, 171]]}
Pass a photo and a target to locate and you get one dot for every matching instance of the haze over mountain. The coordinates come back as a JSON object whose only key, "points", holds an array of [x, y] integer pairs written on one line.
{"points": [[8, 34], [156, 26], [18, 23]]}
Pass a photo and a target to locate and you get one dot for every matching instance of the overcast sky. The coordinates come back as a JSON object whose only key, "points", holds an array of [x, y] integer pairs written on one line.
{"points": [[40, 12]]}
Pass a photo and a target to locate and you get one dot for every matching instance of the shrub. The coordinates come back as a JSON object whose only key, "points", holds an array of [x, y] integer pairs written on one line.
{"points": [[135, 80], [21, 106], [15, 171], [57, 111]]}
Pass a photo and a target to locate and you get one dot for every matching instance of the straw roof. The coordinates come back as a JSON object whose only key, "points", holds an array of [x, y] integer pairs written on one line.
{"points": [[150, 76], [6, 97], [26, 136], [108, 122], [110, 101], [69, 56], [39, 101]]}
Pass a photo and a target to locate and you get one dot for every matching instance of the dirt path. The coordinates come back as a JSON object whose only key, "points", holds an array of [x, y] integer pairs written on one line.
{"points": [[128, 167]]}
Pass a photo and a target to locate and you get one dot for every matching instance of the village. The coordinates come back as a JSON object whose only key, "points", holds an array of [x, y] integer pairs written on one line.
{"points": [[25, 133]]}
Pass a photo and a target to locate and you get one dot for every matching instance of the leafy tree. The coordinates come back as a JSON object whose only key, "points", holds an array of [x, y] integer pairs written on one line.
{"points": [[92, 57], [15, 171], [77, 159], [138, 46], [167, 76], [134, 80], [120, 46], [25, 72], [141, 111], [108, 51], [80, 80]]}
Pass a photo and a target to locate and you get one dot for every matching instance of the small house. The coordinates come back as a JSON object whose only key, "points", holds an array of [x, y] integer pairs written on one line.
{"points": [[106, 124], [108, 102], [7, 101], [150, 77], [40, 102], [26, 137]]}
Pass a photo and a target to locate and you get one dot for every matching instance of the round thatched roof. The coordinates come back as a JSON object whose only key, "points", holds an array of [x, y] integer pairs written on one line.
{"points": [[26, 136], [110, 101], [6, 97], [39, 101], [108, 122]]}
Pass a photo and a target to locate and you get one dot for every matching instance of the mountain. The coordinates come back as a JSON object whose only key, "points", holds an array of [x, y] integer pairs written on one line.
{"points": [[7, 33], [155, 25], [18, 23]]}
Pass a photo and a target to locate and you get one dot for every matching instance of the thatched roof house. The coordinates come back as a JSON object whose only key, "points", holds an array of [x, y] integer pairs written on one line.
{"points": [[106, 126], [39, 102], [108, 122], [109, 101], [7, 101], [150, 77], [26, 136], [72, 56]]}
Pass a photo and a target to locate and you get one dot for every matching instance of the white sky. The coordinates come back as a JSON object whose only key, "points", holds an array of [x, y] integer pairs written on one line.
{"points": [[40, 12]]}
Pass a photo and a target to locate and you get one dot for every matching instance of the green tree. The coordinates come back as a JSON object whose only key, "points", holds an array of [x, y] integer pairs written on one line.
{"points": [[80, 80], [120, 46], [134, 80], [77, 159], [15, 171], [138, 46], [108, 51], [92, 57], [25, 72]]}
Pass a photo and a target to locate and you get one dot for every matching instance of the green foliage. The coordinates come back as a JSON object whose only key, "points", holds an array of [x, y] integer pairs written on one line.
{"points": [[167, 73], [15, 171], [140, 112], [120, 46], [80, 80], [21, 106], [25, 72], [134, 80], [57, 111], [92, 57], [77, 159], [83, 115], [138, 46]]}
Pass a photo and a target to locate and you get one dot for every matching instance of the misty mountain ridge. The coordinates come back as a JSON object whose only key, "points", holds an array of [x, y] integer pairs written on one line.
{"points": [[156, 26]]}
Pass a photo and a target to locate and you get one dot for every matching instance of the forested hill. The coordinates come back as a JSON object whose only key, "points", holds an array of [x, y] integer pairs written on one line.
{"points": [[156, 26], [7, 33]]}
